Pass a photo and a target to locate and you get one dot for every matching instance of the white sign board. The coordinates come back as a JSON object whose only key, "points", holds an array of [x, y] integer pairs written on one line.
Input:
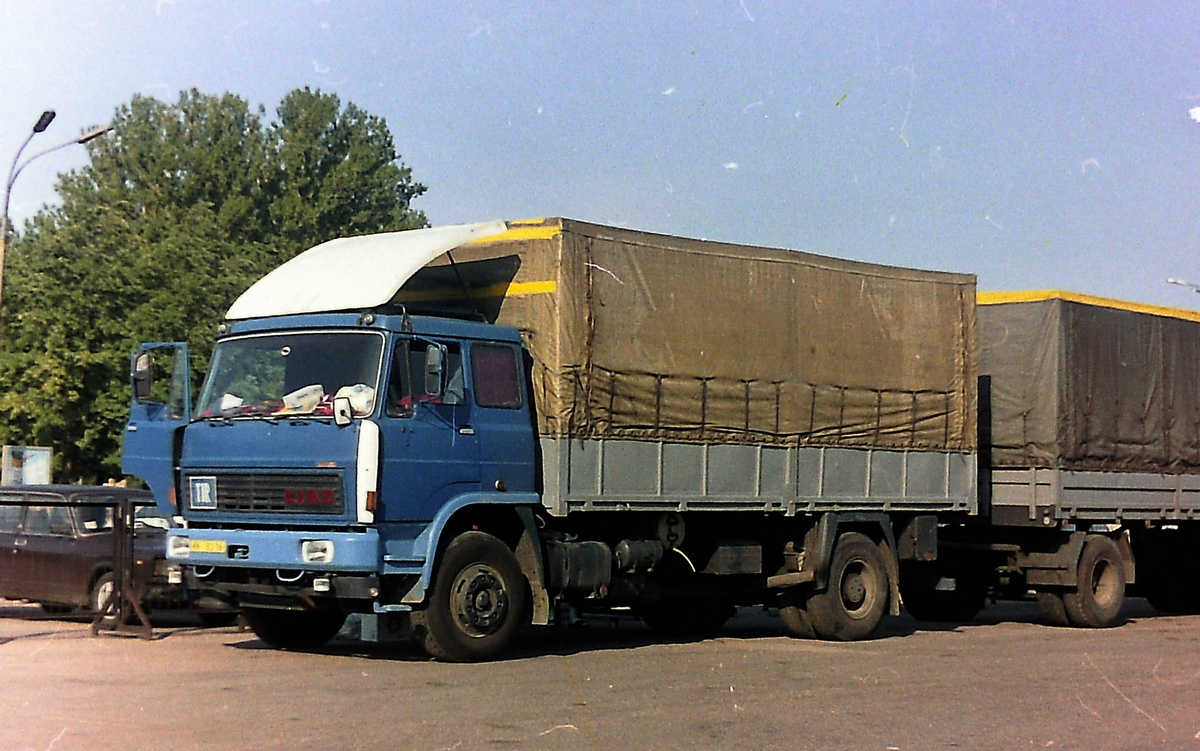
{"points": [[26, 465]]}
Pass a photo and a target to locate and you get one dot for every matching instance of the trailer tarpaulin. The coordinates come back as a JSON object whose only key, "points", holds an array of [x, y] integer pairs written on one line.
{"points": [[1085, 383], [644, 336]]}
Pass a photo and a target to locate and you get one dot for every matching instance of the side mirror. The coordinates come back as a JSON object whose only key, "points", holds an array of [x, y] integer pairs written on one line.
{"points": [[143, 376], [435, 370], [343, 412]]}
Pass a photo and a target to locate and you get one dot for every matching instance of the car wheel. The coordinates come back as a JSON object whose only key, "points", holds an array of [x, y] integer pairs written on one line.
{"points": [[102, 591]]}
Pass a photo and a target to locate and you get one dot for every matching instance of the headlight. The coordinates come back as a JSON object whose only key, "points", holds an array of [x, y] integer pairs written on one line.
{"points": [[178, 546], [316, 551]]}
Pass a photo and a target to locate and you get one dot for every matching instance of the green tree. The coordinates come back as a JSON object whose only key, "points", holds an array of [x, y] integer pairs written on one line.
{"points": [[180, 209]]}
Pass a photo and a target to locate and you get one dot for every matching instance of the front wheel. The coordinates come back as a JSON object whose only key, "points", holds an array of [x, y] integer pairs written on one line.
{"points": [[856, 600], [294, 629], [478, 601]]}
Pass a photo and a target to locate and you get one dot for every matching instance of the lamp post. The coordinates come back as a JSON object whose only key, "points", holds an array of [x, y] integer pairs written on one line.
{"points": [[13, 171]]}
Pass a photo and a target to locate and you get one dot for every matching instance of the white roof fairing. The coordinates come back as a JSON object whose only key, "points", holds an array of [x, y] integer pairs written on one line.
{"points": [[352, 273]]}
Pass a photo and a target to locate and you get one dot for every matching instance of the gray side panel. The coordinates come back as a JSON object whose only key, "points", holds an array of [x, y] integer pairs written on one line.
{"points": [[1097, 496], [621, 475]]}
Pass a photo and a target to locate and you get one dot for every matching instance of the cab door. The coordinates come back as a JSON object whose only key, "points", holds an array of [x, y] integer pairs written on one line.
{"points": [[430, 452], [160, 375]]}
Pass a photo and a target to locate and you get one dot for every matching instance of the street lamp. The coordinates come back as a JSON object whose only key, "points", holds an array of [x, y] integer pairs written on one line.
{"points": [[42, 123]]}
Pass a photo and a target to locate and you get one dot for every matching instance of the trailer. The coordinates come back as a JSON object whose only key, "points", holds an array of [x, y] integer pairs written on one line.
{"points": [[1090, 451], [468, 428]]}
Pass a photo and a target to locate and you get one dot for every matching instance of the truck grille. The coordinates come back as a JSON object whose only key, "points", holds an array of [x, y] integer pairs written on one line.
{"points": [[303, 494]]}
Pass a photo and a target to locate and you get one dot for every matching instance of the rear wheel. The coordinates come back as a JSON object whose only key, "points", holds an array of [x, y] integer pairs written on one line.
{"points": [[856, 600], [1050, 602], [794, 615], [294, 629], [1099, 592], [478, 601]]}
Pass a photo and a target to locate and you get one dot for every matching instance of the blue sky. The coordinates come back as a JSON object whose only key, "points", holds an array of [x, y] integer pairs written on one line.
{"points": [[1036, 144]]}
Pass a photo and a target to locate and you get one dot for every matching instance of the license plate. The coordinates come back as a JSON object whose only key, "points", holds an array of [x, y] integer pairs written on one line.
{"points": [[208, 546]]}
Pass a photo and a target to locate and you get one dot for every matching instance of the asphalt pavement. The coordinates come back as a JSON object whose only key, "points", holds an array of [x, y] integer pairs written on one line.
{"points": [[1003, 681]]}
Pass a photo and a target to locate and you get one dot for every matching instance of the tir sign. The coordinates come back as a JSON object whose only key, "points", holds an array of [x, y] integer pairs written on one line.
{"points": [[293, 497]]}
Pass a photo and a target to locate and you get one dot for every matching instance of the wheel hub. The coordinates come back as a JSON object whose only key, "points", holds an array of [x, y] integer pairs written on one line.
{"points": [[857, 597], [481, 604]]}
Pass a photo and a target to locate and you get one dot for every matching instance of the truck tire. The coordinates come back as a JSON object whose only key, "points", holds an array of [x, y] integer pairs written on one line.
{"points": [[924, 601], [1050, 602], [1099, 591], [294, 629], [857, 598], [478, 602], [794, 615]]}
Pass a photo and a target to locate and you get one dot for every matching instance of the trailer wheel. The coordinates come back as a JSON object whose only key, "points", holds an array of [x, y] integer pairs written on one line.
{"points": [[294, 629], [856, 600], [1099, 592], [478, 601]]}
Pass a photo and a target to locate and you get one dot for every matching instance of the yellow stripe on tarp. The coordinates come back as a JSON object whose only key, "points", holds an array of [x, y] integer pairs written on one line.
{"points": [[1038, 295], [521, 289], [529, 229]]}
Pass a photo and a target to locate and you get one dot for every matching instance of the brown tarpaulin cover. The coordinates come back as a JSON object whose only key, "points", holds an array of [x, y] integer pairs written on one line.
{"points": [[644, 336], [1087, 384]]}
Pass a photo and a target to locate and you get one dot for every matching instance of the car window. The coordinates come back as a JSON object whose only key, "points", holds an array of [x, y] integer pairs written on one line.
{"points": [[94, 518], [48, 520], [10, 517]]}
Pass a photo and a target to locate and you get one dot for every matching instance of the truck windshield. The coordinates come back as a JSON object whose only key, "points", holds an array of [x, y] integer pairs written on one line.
{"points": [[292, 375]]}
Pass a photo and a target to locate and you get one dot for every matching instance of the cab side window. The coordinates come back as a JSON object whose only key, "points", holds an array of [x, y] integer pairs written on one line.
{"points": [[495, 371], [400, 392], [406, 383]]}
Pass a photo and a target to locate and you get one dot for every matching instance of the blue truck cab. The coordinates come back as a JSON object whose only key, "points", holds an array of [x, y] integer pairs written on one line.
{"points": [[326, 453]]}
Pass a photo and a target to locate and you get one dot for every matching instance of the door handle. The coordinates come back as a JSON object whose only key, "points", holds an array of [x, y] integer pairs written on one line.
{"points": [[20, 542], [466, 430]]}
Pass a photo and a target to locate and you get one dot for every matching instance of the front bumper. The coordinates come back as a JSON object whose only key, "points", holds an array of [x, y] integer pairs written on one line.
{"points": [[285, 550]]}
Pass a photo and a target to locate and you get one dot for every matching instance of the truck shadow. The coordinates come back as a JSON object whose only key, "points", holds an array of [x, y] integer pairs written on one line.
{"points": [[595, 633]]}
